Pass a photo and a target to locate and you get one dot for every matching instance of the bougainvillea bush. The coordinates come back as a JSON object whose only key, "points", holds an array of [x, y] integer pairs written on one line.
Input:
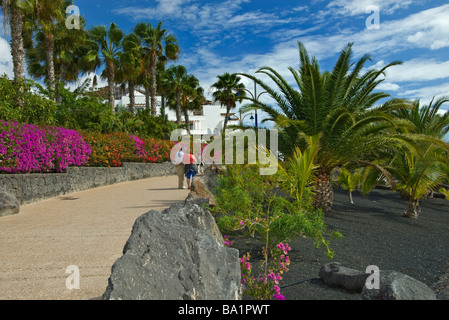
{"points": [[26, 148], [111, 150]]}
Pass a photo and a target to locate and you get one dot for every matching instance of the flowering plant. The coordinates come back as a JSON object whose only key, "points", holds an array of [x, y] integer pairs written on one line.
{"points": [[111, 150], [26, 148], [266, 286]]}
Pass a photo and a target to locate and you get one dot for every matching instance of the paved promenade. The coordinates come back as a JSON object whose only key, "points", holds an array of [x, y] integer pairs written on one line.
{"points": [[86, 229]]}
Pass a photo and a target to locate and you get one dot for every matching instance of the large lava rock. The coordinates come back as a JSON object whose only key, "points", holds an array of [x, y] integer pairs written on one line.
{"points": [[336, 275], [176, 254], [397, 286], [202, 188], [8, 203]]}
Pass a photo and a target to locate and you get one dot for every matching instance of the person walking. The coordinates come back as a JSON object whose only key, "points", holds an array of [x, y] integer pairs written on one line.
{"points": [[190, 168], [179, 163]]}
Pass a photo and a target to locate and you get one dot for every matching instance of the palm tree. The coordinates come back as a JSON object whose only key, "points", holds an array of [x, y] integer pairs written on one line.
{"points": [[228, 91], [339, 106], [174, 83], [417, 173], [69, 50], [157, 44], [105, 46], [426, 119], [129, 66], [192, 97], [45, 18]]}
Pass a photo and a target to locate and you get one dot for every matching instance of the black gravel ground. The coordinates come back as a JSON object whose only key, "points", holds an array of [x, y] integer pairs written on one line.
{"points": [[375, 233]]}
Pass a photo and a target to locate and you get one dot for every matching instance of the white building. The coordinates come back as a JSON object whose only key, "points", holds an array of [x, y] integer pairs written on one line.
{"points": [[209, 120]]}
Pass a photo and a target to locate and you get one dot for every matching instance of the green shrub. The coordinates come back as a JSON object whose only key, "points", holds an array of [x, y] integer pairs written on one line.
{"points": [[255, 204], [34, 108]]}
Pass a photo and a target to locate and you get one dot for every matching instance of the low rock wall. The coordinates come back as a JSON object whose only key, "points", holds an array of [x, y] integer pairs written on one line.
{"points": [[28, 188]]}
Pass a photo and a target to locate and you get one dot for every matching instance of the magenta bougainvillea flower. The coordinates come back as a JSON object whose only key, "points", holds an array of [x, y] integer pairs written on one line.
{"points": [[26, 148]]}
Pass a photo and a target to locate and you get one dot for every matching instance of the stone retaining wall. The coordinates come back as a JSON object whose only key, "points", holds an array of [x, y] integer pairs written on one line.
{"points": [[28, 188]]}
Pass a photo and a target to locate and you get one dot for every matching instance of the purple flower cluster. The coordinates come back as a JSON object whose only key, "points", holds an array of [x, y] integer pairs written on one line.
{"points": [[28, 148], [267, 286], [140, 146]]}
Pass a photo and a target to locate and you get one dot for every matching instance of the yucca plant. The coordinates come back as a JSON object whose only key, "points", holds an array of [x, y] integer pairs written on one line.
{"points": [[339, 106]]}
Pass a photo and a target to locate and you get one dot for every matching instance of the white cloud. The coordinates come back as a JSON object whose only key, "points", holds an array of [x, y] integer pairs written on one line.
{"points": [[427, 29], [418, 70], [388, 86], [426, 94], [6, 65], [393, 37], [324, 34], [208, 21], [357, 7]]}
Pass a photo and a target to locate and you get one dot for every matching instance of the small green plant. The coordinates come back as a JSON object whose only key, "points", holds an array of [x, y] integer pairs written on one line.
{"points": [[255, 205], [297, 175], [445, 192], [349, 181]]}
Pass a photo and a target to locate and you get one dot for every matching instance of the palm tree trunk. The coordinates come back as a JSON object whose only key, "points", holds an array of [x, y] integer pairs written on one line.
{"points": [[153, 83], [49, 55], [324, 192], [132, 98], [163, 114], [225, 124], [350, 197], [186, 117], [60, 86], [147, 98], [17, 49], [111, 80], [178, 108], [413, 209]]}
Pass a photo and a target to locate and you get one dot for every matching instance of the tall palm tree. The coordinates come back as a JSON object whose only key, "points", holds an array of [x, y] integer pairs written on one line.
{"points": [[339, 106], [105, 46], [157, 44], [174, 83], [69, 50], [129, 66], [192, 97], [45, 19], [228, 90]]}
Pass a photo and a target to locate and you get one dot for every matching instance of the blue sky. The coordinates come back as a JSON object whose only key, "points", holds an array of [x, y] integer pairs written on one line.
{"points": [[244, 35]]}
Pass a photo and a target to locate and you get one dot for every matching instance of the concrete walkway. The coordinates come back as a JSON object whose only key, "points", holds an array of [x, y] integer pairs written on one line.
{"points": [[86, 229]]}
